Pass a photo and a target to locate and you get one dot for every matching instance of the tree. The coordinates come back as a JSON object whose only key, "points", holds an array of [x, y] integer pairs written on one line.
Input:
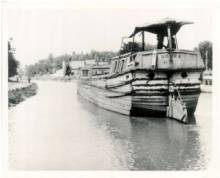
{"points": [[68, 70], [135, 47], [206, 47], [12, 62], [129, 47], [52, 64]]}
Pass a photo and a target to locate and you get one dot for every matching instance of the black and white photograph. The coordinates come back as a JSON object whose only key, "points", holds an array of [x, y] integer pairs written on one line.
{"points": [[108, 88]]}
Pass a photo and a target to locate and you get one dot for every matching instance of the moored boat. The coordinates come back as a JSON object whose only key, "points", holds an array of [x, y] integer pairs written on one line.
{"points": [[159, 82], [206, 85]]}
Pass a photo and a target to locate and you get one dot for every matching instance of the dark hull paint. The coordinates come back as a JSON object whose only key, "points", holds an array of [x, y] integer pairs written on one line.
{"points": [[151, 109]]}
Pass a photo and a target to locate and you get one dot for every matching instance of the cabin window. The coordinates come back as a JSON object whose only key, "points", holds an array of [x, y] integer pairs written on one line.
{"points": [[122, 65], [113, 66], [119, 66], [85, 73], [116, 64]]}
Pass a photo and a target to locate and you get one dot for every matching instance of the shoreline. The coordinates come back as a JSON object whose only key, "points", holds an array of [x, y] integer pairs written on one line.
{"points": [[57, 79], [19, 92]]}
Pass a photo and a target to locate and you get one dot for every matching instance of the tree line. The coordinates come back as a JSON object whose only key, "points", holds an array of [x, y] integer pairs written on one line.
{"points": [[13, 64], [51, 64]]}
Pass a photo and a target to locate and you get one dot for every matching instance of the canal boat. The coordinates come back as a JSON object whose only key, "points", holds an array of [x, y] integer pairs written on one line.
{"points": [[206, 85], [162, 82]]}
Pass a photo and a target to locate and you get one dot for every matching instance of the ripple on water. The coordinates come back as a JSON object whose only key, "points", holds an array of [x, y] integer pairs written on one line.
{"points": [[58, 130]]}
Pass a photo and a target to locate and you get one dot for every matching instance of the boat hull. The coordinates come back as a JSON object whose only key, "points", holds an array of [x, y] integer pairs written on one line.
{"points": [[136, 93], [206, 88], [103, 98]]}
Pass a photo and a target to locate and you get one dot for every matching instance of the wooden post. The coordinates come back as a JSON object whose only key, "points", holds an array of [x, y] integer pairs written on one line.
{"points": [[177, 47], [170, 43], [143, 43], [171, 61]]}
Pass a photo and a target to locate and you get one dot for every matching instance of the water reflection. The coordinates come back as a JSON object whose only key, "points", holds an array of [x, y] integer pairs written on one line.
{"points": [[56, 130], [151, 143]]}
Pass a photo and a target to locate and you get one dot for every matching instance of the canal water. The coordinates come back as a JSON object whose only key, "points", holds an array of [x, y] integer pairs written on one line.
{"points": [[57, 130]]}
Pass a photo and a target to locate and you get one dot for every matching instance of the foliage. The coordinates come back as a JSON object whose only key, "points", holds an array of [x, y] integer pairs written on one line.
{"points": [[52, 64], [135, 47], [13, 64], [20, 94], [68, 70], [203, 47], [46, 66]]}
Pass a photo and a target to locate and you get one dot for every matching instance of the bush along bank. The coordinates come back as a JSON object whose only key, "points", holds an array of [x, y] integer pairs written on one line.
{"points": [[17, 95]]}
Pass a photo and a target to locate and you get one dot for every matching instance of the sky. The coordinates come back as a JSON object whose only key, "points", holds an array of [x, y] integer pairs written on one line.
{"points": [[36, 32]]}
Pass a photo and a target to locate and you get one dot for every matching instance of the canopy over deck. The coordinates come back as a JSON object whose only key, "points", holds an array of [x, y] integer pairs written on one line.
{"points": [[160, 27]]}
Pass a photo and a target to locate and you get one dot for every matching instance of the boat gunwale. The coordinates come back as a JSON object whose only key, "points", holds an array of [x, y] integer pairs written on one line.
{"points": [[199, 69], [159, 51]]}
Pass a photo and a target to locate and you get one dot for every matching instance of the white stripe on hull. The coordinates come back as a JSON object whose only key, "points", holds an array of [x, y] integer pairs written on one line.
{"points": [[126, 88], [127, 91], [150, 82]]}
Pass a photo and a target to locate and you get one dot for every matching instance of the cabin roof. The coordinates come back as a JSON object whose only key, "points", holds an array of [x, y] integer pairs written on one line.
{"points": [[160, 27]]}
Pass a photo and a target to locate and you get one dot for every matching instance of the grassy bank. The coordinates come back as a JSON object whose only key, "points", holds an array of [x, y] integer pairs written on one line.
{"points": [[19, 93]]}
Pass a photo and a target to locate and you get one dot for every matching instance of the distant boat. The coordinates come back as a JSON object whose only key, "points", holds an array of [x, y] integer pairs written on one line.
{"points": [[161, 82], [206, 85]]}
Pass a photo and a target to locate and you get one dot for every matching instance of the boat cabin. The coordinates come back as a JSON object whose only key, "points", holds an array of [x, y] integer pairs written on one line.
{"points": [[207, 77], [162, 56], [95, 71]]}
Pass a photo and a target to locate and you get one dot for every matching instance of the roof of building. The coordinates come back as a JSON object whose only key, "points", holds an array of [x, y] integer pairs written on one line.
{"points": [[90, 62], [76, 64]]}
